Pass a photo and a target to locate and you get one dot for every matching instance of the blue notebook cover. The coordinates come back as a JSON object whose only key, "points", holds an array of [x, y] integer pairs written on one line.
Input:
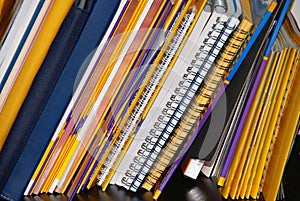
{"points": [[45, 125]]}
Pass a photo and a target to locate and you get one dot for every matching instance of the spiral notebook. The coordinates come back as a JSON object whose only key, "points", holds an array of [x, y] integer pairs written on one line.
{"points": [[166, 24], [114, 108], [142, 37], [185, 101], [144, 145], [196, 105], [139, 108], [98, 166], [162, 98], [223, 64]]}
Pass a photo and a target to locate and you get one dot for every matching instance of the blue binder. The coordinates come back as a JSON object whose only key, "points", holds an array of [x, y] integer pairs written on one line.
{"points": [[44, 106]]}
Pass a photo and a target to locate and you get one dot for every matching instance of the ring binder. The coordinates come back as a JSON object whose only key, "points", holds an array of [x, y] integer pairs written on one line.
{"points": [[178, 102]]}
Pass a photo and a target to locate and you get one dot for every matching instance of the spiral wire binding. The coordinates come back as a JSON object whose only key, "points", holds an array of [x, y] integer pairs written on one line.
{"points": [[164, 125], [145, 97], [196, 109]]}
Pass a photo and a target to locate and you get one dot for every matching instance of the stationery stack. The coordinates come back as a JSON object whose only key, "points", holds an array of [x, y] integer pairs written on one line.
{"points": [[123, 92]]}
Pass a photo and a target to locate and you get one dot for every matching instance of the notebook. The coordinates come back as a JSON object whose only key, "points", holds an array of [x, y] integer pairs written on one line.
{"points": [[185, 101], [124, 94], [144, 98], [172, 81], [120, 105], [189, 77], [194, 137], [223, 64], [89, 138], [194, 111]]}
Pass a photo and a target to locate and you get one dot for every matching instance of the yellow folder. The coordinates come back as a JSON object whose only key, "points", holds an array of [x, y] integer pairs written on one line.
{"points": [[251, 123], [31, 66], [244, 140], [281, 147], [252, 160], [269, 128]]}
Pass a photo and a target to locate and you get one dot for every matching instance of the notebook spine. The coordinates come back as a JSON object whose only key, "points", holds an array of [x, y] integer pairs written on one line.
{"points": [[135, 116], [164, 125], [201, 101]]}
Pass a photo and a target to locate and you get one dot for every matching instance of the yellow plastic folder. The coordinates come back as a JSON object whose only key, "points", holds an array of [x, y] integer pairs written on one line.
{"points": [[31, 66], [280, 151], [270, 126]]}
